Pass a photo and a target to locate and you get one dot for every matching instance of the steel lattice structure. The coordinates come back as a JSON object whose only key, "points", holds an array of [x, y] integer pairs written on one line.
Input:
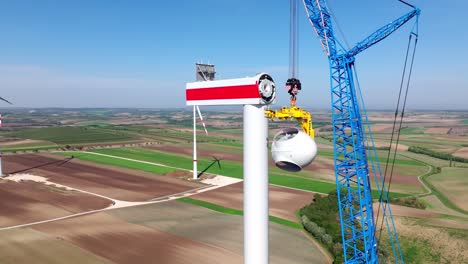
{"points": [[351, 138]]}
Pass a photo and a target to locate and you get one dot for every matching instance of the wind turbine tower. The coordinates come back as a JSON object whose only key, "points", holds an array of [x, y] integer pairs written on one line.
{"points": [[254, 94], [203, 72]]}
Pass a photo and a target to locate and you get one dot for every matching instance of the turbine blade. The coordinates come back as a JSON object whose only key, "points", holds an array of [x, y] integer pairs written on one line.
{"points": [[3, 99], [201, 118]]}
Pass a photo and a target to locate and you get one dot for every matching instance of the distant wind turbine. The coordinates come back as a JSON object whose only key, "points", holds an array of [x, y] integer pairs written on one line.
{"points": [[1, 165], [5, 100], [195, 176]]}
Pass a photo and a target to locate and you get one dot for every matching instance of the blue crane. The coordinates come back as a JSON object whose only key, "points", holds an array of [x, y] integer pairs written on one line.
{"points": [[351, 138]]}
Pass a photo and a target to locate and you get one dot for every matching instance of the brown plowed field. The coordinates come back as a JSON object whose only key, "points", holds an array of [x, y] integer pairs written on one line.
{"points": [[382, 128], [437, 130], [284, 202], [117, 183], [399, 210], [27, 202], [462, 153], [171, 232], [126, 243], [398, 178]]}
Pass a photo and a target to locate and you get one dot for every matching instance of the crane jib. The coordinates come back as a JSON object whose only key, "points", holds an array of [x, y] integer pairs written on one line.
{"points": [[382, 33]]}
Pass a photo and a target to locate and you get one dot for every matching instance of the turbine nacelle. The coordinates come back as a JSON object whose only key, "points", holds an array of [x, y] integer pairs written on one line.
{"points": [[292, 149]]}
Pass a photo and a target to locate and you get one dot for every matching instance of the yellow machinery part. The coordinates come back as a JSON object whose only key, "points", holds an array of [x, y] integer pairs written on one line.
{"points": [[287, 113]]}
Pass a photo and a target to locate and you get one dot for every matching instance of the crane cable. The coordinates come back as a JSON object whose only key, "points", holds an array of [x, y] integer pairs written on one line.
{"points": [[337, 25], [293, 39], [293, 85], [399, 125]]}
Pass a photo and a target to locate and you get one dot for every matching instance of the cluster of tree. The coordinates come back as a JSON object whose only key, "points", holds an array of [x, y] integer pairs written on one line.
{"points": [[321, 219], [435, 154], [410, 201], [321, 235]]}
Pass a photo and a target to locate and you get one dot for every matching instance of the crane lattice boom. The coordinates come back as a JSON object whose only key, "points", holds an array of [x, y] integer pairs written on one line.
{"points": [[350, 139]]}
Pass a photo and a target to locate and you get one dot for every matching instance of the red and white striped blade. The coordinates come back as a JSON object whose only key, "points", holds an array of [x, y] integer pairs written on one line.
{"points": [[201, 118]]}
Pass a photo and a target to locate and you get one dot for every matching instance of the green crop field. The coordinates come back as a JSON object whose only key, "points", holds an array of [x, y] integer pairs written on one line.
{"points": [[35, 145], [176, 136], [427, 159], [70, 135], [179, 161], [214, 147], [412, 130]]}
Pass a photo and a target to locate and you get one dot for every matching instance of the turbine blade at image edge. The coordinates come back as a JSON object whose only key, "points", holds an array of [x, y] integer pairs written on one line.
{"points": [[201, 118]]}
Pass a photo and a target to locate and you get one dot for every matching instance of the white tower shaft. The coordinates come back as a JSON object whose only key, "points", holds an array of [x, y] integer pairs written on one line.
{"points": [[195, 172], [255, 185]]}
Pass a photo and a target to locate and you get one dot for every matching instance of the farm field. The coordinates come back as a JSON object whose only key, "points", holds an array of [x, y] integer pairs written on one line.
{"points": [[143, 234], [423, 243], [26, 245], [159, 166], [122, 184], [122, 242], [453, 183], [229, 168], [70, 135], [116, 162], [212, 230], [462, 152], [26, 202], [284, 202]]}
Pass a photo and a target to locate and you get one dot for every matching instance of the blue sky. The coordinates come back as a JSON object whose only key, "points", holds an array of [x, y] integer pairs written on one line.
{"points": [[110, 53]]}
